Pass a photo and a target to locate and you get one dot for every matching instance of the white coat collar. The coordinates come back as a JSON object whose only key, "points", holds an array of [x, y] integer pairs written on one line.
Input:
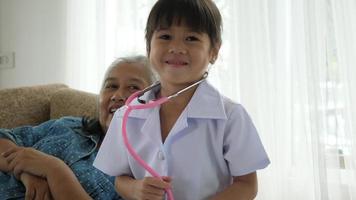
{"points": [[205, 103]]}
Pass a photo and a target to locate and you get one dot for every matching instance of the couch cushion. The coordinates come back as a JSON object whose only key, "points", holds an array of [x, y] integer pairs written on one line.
{"points": [[26, 105], [71, 102]]}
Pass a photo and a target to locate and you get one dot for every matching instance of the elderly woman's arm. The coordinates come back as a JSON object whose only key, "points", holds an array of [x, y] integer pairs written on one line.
{"points": [[36, 187], [5, 145], [63, 183], [61, 180]]}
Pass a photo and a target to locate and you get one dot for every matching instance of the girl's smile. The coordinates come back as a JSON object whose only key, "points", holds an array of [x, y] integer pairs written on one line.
{"points": [[176, 62]]}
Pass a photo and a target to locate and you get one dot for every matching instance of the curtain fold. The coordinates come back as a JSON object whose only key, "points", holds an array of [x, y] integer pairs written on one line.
{"points": [[344, 29], [81, 45]]}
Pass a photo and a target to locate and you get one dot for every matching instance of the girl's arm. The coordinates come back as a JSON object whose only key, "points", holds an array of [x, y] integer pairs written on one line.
{"points": [[146, 188], [243, 188], [124, 185]]}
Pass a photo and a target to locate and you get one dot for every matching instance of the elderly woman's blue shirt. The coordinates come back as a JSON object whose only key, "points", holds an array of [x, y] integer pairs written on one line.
{"points": [[65, 139]]}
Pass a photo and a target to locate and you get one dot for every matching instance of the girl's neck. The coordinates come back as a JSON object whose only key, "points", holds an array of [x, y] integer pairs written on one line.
{"points": [[182, 99], [172, 109]]}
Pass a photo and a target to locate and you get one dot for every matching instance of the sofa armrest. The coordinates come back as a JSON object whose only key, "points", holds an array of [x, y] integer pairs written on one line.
{"points": [[26, 105]]}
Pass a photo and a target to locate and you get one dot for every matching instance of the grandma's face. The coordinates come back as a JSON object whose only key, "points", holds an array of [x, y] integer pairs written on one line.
{"points": [[120, 83]]}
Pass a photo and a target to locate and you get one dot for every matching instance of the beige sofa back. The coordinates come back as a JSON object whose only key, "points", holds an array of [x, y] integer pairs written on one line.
{"points": [[36, 104]]}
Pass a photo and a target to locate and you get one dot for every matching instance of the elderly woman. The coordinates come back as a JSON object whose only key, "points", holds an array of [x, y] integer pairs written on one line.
{"points": [[54, 159]]}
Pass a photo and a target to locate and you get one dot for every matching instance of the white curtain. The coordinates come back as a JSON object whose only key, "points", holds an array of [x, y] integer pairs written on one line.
{"points": [[292, 64], [97, 33]]}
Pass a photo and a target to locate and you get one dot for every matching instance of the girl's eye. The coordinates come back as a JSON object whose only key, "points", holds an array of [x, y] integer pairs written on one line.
{"points": [[134, 88], [164, 37], [192, 38]]}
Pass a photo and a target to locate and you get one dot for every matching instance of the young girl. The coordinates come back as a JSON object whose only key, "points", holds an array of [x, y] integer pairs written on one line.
{"points": [[204, 145]]}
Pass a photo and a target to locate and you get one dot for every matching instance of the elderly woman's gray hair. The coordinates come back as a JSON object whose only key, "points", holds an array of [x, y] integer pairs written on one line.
{"points": [[133, 59]]}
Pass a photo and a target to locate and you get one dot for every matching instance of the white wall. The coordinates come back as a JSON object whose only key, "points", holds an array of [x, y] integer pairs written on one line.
{"points": [[36, 31]]}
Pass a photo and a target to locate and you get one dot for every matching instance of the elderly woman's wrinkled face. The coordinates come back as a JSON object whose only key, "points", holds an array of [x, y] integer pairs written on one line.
{"points": [[120, 83]]}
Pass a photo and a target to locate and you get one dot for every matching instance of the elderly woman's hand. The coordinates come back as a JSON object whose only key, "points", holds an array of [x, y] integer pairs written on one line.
{"points": [[36, 187], [58, 175], [24, 159]]}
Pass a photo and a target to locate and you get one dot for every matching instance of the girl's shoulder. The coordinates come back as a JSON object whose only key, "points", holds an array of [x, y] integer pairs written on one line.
{"points": [[232, 107], [228, 104]]}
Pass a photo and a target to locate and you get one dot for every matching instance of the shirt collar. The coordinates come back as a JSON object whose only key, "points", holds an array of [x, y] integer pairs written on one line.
{"points": [[205, 103]]}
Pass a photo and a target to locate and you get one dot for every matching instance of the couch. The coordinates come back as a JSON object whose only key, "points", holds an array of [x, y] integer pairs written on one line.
{"points": [[36, 104]]}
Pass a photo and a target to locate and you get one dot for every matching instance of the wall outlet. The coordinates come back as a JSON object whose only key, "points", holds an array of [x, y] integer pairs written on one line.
{"points": [[7, 60]]}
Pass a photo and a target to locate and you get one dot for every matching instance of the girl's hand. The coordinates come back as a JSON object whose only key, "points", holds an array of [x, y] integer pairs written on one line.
{"points": [[36, 187], [23, 159], [151, 188]]}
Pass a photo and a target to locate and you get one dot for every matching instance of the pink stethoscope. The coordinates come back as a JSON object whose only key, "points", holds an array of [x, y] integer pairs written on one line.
{"points": [[144, 105]]}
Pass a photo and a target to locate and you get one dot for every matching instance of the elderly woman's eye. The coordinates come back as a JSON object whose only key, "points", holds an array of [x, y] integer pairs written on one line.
{"points": [[111, 86]]}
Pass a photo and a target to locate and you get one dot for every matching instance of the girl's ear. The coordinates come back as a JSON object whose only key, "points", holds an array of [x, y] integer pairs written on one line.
{"points": [[212, 60], [215, 52]]}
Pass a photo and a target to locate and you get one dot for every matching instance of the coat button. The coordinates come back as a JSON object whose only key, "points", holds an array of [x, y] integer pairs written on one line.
{"points": [[161, 155]]}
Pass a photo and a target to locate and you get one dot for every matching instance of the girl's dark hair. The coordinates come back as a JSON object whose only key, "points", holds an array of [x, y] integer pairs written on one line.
{"points": [[91, 126], [200, 15]]}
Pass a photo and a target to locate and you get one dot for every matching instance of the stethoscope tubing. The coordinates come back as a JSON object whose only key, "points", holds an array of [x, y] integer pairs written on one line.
{"points": [[127, 143], [145, 105]]}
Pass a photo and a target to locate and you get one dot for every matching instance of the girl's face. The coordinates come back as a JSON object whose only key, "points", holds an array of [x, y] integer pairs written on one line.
{"points": [[180, 56], [120, 83]]}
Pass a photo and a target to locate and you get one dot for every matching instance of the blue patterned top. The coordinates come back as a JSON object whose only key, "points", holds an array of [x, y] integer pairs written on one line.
{"points": [[65, 139]]}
